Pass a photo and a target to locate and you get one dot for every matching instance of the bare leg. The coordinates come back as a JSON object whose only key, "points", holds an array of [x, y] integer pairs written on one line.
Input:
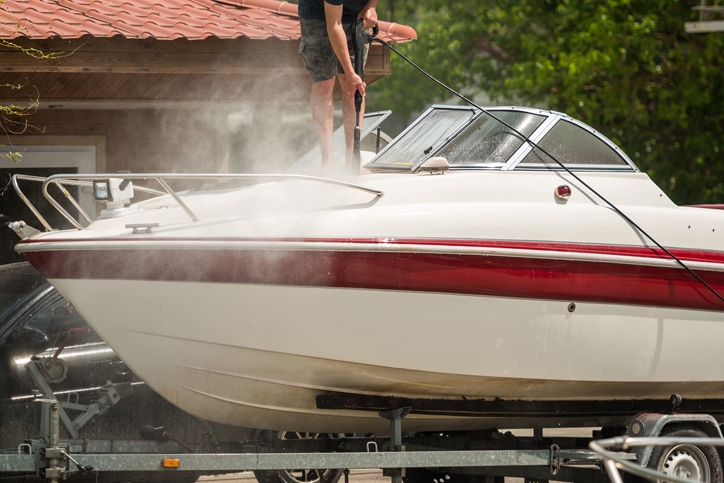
{"points": [[350, 119], [323, 116]]}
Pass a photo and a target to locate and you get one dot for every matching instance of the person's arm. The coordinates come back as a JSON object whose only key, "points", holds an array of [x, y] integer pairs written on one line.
{"points": [[338, 39], [368, 14]]}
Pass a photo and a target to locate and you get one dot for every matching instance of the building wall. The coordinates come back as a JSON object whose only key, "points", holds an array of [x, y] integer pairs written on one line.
{"points": [[144, 140]]}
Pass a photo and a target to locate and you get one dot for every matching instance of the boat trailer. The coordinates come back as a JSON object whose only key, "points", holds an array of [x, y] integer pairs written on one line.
{"points": [[489, 454]]}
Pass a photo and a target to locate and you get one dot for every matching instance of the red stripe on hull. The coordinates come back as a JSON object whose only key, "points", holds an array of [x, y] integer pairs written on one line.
{"points": [[446, 273]]}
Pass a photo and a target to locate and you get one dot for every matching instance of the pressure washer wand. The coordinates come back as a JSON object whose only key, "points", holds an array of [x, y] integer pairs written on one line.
{"points": [[359, 39]]}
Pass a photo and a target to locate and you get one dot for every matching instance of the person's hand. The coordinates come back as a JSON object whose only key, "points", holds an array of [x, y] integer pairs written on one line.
{"points": [[351, 83], [369, 17]]}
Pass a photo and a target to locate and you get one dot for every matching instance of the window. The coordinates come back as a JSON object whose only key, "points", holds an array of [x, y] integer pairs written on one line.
{"points": [[56, 319], [573, 145], [488, 141], [15, 287], [428, 133]]}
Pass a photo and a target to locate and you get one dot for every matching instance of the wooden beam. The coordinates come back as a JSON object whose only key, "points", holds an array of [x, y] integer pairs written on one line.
{"points": [[210, 56], [154, 63], [131, 70], [122, 44]]}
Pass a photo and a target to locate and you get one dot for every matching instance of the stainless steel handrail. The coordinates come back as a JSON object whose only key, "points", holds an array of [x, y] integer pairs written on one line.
{"points": [[614, 463], [25, 199], [60, 209], [160, 178], [72, 200]]}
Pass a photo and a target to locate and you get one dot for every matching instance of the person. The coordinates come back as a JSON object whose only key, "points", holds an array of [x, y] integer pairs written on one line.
{"points": [[327, 26]]}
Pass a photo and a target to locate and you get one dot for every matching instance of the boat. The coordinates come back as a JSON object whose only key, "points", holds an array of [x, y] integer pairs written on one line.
{"points": [[507, 267]]}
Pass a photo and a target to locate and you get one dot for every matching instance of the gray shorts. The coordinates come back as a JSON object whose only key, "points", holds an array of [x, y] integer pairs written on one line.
{"points": [[319, 58]]}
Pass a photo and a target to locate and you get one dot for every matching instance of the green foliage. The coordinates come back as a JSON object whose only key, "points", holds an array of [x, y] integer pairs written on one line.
{"points": [[626, 68], [13, 118], [15, 157]]}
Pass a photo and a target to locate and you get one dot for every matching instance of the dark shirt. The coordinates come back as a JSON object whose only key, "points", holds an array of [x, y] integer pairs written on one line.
{"points": [[314, 9]]}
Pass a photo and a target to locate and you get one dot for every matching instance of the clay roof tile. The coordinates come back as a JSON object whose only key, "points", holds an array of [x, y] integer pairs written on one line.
{"points": [[161, 19]]}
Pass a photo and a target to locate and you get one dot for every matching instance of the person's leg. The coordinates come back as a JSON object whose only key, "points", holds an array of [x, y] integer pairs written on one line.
{"points": [[321, 64], [323, 117]]}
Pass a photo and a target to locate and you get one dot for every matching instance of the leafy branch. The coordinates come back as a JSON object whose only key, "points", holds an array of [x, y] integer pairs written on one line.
{"points": [[37, 53], [14, 118]]}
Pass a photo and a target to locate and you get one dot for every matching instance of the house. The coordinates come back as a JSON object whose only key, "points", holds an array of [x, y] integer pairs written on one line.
{"points": [[156, 85]]}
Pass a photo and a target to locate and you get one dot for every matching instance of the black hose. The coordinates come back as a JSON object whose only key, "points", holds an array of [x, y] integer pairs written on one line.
{"points": [[576, 177]]}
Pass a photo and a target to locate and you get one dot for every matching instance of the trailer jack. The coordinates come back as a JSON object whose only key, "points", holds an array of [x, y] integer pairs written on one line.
{"points": [[109, 394]]}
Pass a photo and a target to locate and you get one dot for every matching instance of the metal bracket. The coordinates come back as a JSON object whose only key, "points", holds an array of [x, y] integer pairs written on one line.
{"points": [[555, 459], [137, 226], [395, 416], [23, 230], [53, 452], [674, 403]]}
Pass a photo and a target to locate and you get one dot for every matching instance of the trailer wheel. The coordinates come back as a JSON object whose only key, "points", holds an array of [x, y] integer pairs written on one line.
{"points": [[299, 475], [698, 463]]}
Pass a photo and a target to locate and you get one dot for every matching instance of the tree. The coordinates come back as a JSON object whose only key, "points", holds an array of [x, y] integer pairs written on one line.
{"points": [[626, 68]]}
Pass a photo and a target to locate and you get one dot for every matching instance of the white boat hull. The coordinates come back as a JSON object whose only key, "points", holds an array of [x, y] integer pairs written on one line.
{"points": [[258, 355], [454, 287]]}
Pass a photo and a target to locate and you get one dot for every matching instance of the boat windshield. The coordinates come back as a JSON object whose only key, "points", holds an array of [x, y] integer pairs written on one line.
{"points": [[573, 146], [468, 138], [488, 141], [424, 136]]}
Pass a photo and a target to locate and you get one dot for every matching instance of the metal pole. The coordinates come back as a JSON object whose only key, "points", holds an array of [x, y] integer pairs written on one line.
{"points": [[53, 439], [359, 51]]}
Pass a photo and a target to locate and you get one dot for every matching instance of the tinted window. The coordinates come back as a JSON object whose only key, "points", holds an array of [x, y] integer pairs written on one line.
{"points": [[424, 136], [571, 144], [17, 281], [57, 319], [487, 140]]}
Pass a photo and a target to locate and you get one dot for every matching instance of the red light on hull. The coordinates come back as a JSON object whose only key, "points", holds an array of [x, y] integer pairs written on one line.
{"points": [[563, 192]]}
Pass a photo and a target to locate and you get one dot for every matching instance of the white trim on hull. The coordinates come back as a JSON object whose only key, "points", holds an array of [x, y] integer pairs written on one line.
{"points": [[392, 246], [257, 355]]}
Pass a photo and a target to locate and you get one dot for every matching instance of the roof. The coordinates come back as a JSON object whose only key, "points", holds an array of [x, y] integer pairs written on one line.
{"points": [[161, 19]]}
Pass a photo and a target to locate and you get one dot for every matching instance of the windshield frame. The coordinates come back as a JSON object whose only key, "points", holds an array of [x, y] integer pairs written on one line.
{"points": [[440, 143], [515, 160]]}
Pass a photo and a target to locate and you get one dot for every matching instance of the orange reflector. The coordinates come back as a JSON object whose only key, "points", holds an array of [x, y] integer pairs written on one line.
{"points": [[170, 463]]}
